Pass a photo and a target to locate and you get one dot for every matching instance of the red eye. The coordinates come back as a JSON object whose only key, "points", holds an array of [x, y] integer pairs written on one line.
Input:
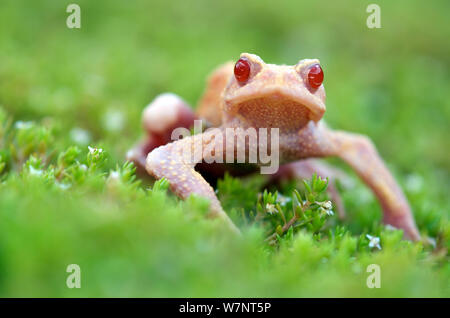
{"points": [[242, 70], [315, 76]]}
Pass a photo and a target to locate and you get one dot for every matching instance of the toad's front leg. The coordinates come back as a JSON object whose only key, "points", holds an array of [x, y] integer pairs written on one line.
{"points": [[176, 162], [360, 153]]}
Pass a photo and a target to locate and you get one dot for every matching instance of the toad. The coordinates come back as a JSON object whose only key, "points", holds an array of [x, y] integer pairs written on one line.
{"points": [[251, 94]]}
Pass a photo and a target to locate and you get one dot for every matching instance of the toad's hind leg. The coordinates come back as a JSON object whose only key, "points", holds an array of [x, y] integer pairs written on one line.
{"points": [[360, 153], [209, 105], [165, 113], [304, 169]]}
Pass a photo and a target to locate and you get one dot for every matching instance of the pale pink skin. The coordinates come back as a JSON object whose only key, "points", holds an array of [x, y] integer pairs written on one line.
{"points": [[275, 96]]}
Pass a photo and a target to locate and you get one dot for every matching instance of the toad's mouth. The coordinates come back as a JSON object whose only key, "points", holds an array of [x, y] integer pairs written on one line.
{"points": [[274, 112]]}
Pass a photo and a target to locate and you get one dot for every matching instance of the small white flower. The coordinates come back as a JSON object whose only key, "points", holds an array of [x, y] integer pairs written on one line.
{"points": [[374, 241], [327, 205], [431, 240], [80, 136], [283, 200], [270, 208], [63, 186], [113, 178], [390, 227], [414, 183], [83, 167], [92, 150], [113, 120], [23, 124], [35, 172], [114, 175]]}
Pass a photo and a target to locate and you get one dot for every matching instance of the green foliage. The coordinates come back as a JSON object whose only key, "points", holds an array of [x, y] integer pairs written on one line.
{"points": [[70, 106], [161, 185], [286, 215], [105, 221]]}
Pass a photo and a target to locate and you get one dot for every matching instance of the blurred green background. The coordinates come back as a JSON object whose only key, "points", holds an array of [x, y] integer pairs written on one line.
{"points": [[91, 84]]}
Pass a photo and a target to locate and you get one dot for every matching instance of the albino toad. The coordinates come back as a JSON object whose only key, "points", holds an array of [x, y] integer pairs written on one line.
{"points": [[248, 94]]}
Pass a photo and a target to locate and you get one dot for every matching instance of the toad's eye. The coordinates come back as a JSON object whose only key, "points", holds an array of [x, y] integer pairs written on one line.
{"points": [[242, 70], [315, 76]]}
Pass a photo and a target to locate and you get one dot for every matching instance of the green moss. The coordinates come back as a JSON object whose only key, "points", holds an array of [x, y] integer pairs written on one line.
{"points": [[63, 203]]}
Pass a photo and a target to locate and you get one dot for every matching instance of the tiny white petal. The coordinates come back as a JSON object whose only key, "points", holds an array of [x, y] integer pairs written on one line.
{"points": [[390, 227], [35, 172], [63, 186], [113, 120], [23, 124], [414, 183], [80, 136], [114, 175], [432, 241], [327, 205], [374, 241], [283, 200], [271, 208]]}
